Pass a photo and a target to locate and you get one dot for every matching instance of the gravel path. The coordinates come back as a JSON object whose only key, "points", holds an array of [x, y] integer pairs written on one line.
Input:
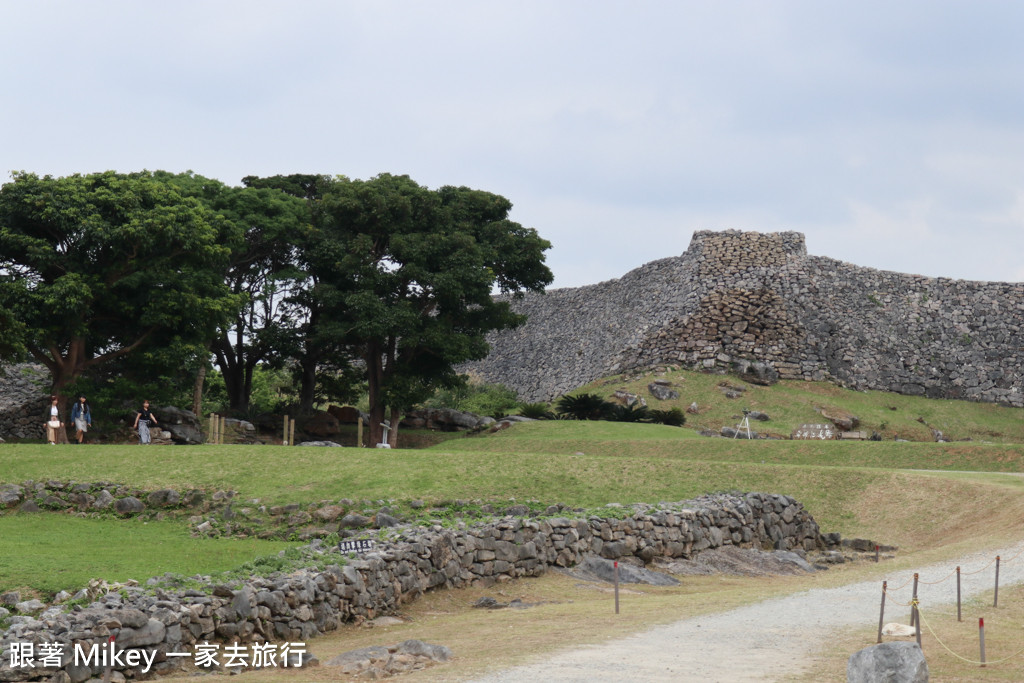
{"points": [[769, 641]]}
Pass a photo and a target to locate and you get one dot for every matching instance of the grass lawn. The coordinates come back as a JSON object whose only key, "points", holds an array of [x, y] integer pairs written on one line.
{"points": [[50, 552], [844, 485], [887, 491]]}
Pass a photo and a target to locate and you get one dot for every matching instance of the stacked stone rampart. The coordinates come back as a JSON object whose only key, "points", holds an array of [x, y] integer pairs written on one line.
{"points": [[23, 401], [745, 296], [161, 618]]}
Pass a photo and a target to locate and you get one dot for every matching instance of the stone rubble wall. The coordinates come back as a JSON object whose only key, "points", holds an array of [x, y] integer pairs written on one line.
{"points": [[304, 604], [736, 297], [23, 401]]}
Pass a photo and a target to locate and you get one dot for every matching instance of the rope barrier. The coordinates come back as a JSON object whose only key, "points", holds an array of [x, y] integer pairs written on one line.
{"points": [[953, 573], [897, 602], [969, 661], [906, 583], [991, 562], [933, 583], [1015, 556]]}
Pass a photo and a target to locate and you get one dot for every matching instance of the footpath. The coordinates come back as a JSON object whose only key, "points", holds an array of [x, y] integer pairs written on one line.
{"points": [[774, 640]]}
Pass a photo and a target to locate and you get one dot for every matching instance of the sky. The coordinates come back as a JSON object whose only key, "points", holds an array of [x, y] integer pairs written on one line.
{"points": [[890, 133]]}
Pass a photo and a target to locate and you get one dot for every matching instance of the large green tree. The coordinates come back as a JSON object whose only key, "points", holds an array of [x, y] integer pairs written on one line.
{"points": [[321, 364], [405, 277], [262, 270], [95, 267]]}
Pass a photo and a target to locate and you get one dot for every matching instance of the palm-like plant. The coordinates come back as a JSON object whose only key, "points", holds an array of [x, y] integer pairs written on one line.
{"points": [[535, 411], [673, 417], [585, 407]]}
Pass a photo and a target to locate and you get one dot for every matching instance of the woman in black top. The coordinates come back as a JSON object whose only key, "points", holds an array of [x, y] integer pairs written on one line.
{"points": [[142, 420]]}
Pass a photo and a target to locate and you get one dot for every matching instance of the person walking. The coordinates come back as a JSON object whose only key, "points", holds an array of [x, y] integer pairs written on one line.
{"points": [[53, 421], [142, 420], [81, 415]]}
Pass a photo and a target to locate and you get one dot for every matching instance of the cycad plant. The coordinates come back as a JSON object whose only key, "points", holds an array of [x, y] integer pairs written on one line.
{"points": [[585, 407]]}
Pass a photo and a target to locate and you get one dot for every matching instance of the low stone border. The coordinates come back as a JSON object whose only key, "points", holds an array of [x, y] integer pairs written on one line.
{"points": [[162, 618]]}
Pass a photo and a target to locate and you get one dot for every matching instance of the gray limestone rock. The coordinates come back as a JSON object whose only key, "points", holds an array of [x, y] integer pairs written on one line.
{"points": [[604, 570], [662, 392], [894, 662], [182, 424], [104, 499], [354, 521], [129, 505]]}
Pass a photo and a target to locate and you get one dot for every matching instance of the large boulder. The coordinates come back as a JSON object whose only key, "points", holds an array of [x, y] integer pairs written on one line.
{"points": [[320, 423], [603, 569], [895, 662], [182, 424], [347, 414], [661, 390], [842, 419], [757, 372]]}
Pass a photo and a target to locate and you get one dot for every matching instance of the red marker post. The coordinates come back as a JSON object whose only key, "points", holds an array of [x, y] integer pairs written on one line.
{"points": [[981, 635], [106, 669]]}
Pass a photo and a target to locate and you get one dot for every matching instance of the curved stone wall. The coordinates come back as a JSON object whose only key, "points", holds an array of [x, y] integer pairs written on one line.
{"points": [[746, 296], [159, 619]]}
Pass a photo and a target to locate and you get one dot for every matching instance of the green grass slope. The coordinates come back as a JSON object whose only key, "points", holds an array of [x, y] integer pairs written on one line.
{"points": [[792, 403]]}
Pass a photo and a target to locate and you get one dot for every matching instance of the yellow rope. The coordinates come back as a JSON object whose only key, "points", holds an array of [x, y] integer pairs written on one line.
{"points": [[900, 604], [1015, 556], [932, 583], [890, 588], [991, 562], [969, 661]]}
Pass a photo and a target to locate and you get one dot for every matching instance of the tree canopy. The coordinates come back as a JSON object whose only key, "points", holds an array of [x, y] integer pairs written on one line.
{"points": [[92, 267], [327, 276], [406, 274]]}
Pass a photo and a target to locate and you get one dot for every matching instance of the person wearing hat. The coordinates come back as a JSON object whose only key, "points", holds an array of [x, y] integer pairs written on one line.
{"points": [[82, 417]]}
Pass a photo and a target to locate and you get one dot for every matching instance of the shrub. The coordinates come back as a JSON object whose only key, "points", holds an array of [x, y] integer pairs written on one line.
{"points": [[476, 397], [633, 413], [536, 411], [585, 407], [673, 417]]}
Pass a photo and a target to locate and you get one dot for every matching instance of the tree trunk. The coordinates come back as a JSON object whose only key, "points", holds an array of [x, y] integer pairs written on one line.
{"points": [[61, 378], [393, 436], [307, 387], [197, 391], [375, 385]]}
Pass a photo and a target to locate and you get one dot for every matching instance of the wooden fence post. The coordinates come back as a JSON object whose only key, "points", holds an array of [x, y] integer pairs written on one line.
{"points": [[881, 612]]}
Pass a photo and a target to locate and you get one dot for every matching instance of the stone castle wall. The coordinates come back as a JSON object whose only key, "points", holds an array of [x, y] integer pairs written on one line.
{"points": [[23, 401], [746, 296]]}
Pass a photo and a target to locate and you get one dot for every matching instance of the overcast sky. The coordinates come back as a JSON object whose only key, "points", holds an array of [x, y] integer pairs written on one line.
{"points": [[890, 133]]}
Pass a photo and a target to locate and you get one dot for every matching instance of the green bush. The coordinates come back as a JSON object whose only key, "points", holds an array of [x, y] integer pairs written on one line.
{"points": [[633, 413], [585, 407], [479, 398], [536, 411], [673, 417]]}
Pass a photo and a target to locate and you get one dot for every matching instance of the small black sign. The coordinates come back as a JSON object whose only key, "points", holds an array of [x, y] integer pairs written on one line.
{"points": [[355, 546]]}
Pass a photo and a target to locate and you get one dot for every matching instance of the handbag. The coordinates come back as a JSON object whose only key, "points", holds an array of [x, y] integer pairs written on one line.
{"points": [[53, 424]]}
